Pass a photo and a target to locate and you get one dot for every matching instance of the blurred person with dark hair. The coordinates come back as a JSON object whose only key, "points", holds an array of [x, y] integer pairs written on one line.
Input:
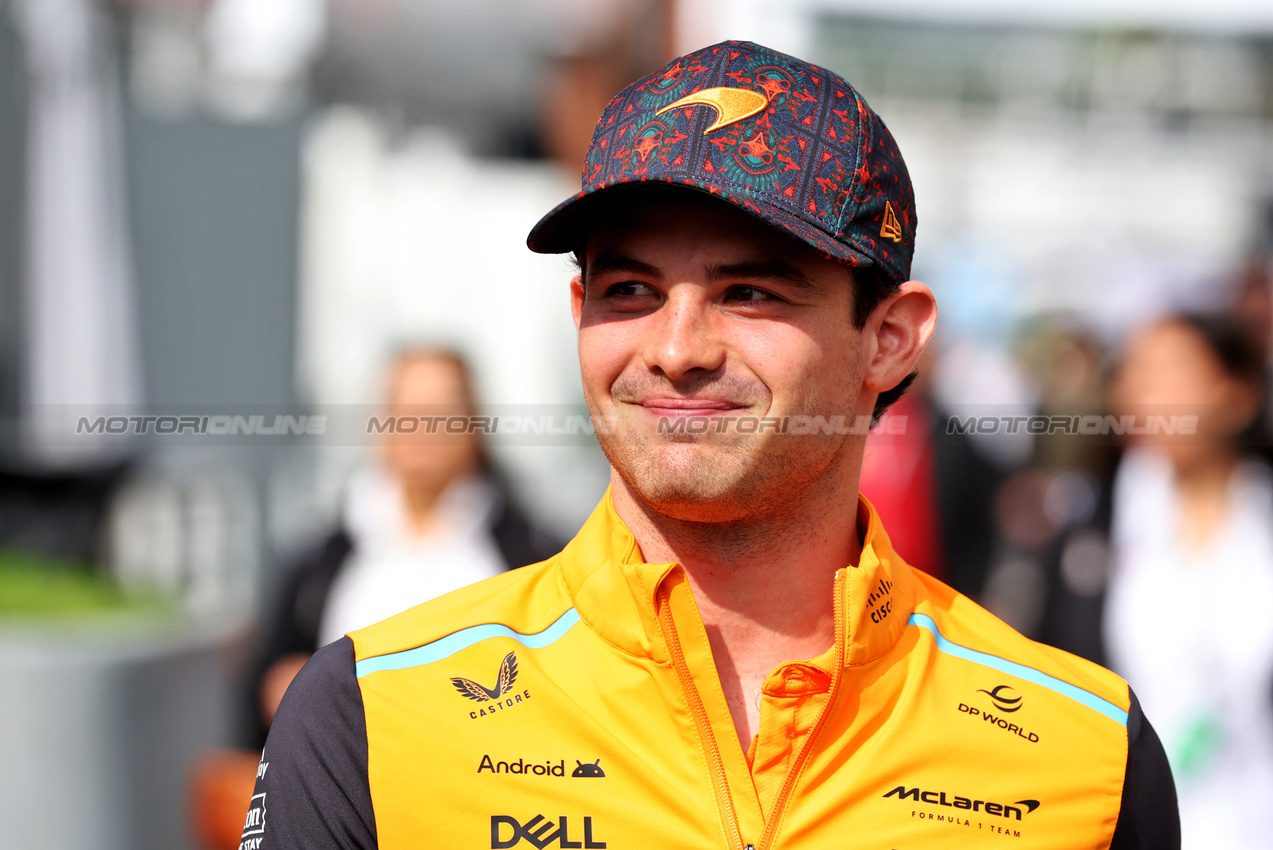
{"points": [[1187, 616], [1252, 306], [1252, 309], [429, 518]]}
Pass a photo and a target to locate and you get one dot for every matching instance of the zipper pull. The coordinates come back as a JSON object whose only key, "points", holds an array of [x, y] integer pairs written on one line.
{"points": [[750, 847]]}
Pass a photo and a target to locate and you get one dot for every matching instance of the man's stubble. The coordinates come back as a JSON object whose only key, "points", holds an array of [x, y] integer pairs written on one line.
{"points": [[727, 477]]}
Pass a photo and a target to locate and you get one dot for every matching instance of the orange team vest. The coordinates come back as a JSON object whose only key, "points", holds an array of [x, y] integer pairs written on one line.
{"points": [[575, 704]]}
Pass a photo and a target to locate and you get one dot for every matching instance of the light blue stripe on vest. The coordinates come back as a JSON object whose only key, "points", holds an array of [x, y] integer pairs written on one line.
{"points": [[463, 639], [1077, 694]]}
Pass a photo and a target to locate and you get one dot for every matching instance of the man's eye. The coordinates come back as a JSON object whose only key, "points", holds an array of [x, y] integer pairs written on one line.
{"points": [[628, 289], [750, 294]]}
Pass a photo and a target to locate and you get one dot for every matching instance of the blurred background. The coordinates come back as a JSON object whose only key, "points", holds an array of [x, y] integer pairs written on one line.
{"points": [[303, 210]]}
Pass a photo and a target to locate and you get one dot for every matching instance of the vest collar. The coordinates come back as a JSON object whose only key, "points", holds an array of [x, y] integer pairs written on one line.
{"points": [[615, 591]]}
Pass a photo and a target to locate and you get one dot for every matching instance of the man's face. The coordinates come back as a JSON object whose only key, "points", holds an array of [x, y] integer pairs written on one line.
{"points": [[693, 310]]}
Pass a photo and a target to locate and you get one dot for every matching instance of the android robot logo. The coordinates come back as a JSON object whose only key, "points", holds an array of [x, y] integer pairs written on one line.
{"points": [[591, 769]]}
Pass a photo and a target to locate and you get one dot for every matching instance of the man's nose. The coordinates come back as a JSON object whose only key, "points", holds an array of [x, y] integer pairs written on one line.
{"points": [[685, 338]]}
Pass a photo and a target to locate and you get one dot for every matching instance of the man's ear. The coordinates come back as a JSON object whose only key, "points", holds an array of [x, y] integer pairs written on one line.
{"points": [[576, 299], [898, 330]]}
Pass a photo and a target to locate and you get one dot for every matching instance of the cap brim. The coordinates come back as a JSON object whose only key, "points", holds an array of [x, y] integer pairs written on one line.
{"points": [[565, 227]]}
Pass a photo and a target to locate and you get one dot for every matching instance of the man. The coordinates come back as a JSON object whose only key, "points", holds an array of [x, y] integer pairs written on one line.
{"points": [[729, 653]]}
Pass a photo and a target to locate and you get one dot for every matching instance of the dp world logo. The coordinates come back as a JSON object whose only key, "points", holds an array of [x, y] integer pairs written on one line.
{"points": [[1004, 698], [540, 832]]}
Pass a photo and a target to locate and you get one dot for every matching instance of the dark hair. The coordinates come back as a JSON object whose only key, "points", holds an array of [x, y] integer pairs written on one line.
{"points": [[870, 287], [1227, 341], [1240, 359]]}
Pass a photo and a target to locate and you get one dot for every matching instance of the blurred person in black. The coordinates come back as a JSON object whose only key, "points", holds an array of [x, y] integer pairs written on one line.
{"points": [[1252, 308], [1052, 517], [430, 518], [1253, 304], [1190, 587]]}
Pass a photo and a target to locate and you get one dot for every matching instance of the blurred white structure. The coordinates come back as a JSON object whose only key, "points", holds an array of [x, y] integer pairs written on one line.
{"points": [[81, 337], [789, 26], [259, 52]]}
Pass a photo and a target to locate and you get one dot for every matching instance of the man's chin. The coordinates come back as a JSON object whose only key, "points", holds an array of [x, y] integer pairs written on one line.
{"points": [[688, 504], [688, 482]]}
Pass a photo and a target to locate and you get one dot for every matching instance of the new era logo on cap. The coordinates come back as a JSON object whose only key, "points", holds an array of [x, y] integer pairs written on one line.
{"points": [[789, 142], [891, 228]]}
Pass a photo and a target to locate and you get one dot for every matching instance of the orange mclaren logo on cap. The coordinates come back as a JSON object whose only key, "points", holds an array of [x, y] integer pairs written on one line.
{"points": [[731, 105]]}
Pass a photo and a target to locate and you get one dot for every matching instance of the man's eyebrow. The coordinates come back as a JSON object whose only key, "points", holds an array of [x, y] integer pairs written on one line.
{"points": [[775, 270], [612, 261]]}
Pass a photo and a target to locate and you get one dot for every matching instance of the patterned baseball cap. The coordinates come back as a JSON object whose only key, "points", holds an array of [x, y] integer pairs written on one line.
{"points": [[789, 142]]}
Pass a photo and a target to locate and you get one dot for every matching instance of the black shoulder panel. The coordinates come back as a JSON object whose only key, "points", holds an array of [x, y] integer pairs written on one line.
{"points": [[311, 787], [1149, 818]]}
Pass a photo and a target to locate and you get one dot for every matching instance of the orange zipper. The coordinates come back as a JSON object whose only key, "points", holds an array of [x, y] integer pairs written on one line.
{"points": [[789, 783], [715, 765]]}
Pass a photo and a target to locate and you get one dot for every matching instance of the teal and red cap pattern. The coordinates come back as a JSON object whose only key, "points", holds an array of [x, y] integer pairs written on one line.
{"points": [[789, 142]]}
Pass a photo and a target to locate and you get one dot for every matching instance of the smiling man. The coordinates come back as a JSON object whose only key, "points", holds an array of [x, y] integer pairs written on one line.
{"points": [[730, 652]]}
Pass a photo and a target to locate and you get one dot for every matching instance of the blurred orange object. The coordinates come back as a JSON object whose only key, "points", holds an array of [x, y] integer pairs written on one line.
{"points": [[220, 784]]}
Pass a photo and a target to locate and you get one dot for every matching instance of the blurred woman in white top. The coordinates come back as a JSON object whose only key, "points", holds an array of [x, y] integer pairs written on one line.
{"points": [[428, 517], [1189, 611]]}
